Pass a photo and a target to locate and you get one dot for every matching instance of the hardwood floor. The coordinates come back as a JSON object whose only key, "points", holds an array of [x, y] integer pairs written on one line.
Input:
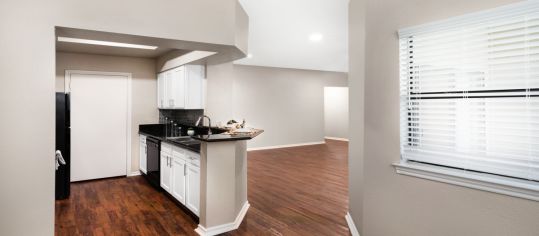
{"points": [[292, 191]]}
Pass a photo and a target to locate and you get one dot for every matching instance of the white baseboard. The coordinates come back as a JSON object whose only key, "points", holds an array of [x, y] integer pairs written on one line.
{"points": [[219, 229], [134, 173], [351, 225], [338, 139], [285, 146]]}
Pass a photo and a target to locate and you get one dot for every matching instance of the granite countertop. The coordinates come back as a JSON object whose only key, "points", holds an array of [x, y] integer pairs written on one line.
{"points": [[157, 131], [227, 137]]}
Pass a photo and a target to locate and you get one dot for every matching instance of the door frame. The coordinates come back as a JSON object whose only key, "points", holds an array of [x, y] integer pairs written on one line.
{"points": [[67, 89]]}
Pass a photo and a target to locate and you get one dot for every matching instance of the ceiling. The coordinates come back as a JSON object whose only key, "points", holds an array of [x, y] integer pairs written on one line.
{"points": [[279, 32]]}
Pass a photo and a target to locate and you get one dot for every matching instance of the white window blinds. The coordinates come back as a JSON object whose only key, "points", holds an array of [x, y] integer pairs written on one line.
{"points": [[470, 92]]}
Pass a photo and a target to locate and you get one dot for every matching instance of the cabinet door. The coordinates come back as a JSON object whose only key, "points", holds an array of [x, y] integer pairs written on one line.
{"points": [[142, 156], [193, 188], [165, 172], [194, 87], [176, 88], [178, 179], [161, 90]]}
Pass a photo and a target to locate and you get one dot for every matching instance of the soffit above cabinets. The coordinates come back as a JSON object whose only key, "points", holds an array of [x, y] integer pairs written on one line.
{"points": [[303, 34], [99, 42]]}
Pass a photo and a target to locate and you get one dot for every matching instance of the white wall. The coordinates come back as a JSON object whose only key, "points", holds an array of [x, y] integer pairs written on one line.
{"points": [[220, 87], [336, 112], [27, 72], [393, 204], [287, 103], [143, 87]]}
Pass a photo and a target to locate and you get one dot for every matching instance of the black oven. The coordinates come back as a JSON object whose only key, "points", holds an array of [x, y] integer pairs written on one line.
{"points": [[152, 161]]}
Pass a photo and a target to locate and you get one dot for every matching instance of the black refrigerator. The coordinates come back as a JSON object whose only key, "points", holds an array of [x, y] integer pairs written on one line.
{"points": [[63, 137]]}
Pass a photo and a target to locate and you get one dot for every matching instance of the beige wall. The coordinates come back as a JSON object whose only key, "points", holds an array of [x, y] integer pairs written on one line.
{"points": [[393, 204], [336, 112], [356, 92], [287, 103], [219, 89], [27, 72], [143, 87]]}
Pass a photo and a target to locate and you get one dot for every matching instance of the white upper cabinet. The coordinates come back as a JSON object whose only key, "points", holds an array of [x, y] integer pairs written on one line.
{"points": [[195, 84], [142, 154], [161, 95], [181, 88]]}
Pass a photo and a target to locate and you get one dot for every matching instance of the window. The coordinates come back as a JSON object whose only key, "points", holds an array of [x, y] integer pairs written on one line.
{"points": [[470, 92]]}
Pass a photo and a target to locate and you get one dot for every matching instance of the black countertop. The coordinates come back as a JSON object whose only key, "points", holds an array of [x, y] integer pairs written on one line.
{"points": [[158, 131], [225, 137]]}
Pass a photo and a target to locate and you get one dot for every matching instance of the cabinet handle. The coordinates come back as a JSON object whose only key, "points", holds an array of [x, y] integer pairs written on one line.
{"points": [[184, 170]]}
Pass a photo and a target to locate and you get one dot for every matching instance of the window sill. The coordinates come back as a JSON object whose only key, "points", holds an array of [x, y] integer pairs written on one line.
{"points": [[486, 182]]}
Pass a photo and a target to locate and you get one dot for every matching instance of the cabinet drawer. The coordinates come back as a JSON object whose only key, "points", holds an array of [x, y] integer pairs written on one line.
{"points": [[166, 148], [179, 153], [193, 158]]}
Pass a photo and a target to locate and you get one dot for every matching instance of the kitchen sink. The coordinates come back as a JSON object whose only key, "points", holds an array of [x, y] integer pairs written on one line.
{"points": [[180, 139], [191, 142], [185, 140]]}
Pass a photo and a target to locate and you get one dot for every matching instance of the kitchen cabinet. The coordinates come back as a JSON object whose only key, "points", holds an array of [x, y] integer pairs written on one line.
{"points": [[193, 183], [181, 88], [161, 96], [195, 87], [143, 154], [166, 169], [180, 175]]}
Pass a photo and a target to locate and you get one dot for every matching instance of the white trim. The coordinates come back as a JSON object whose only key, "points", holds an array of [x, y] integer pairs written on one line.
{"points": [[67, 89], [285, 146], [219, 229], [335, 138], [134, 173], [351, 225], [486, 182], [472, 18]]}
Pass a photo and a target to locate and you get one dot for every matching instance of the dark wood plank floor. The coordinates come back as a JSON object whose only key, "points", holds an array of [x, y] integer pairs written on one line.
{"points": [[292, 191]]}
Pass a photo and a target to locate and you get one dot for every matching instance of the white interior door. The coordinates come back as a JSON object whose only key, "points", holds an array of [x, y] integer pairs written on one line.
{"points": [[99, 120]]}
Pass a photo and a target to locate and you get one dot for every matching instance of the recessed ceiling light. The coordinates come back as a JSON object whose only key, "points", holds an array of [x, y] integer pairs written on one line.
{"points": [[105, 43], [315, 37], [249, 55]]}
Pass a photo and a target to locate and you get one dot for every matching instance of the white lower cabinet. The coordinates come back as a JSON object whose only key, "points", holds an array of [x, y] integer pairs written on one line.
{"points": [[165, 167], [142, 154], [193, 184], [180, 175], [165, 172]]}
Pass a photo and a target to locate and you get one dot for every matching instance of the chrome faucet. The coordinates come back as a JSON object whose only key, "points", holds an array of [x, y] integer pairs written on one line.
{"points": [[201, 118]]}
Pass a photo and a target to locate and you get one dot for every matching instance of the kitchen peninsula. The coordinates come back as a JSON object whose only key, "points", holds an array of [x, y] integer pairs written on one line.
{"points": [[219, 164]]}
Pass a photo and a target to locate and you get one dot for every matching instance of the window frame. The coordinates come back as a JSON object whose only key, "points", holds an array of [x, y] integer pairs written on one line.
{"points": [[512, 186]]}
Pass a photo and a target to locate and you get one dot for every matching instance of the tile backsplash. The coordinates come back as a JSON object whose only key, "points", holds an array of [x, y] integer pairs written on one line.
{"points": [[187, 117]]}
